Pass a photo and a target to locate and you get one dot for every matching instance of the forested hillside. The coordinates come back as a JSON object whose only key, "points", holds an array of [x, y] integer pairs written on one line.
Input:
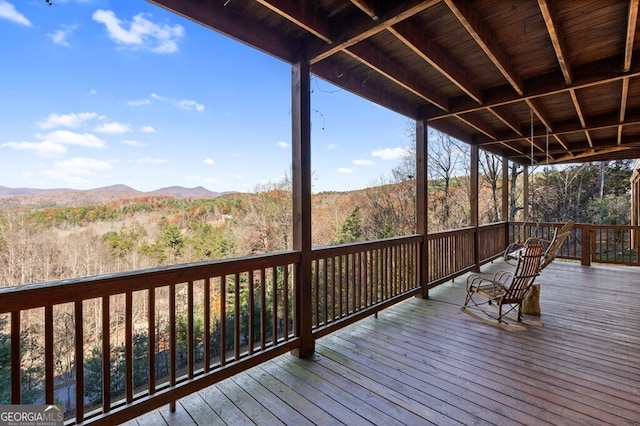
{"points": [[44, 243]]}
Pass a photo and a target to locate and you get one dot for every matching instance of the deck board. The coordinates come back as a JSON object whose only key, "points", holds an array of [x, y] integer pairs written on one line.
{"points": [[425, 362]]}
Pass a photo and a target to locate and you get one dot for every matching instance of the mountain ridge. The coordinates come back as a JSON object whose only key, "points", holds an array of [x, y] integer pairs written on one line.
{"points": [[68, 196]]}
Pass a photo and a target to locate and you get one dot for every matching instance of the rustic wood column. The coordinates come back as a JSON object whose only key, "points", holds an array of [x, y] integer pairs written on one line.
{"points": [[422, 219], [504, 213], [301, 186], [473, 200]]}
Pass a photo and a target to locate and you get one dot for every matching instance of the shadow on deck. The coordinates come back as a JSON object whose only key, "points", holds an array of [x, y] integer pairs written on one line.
{"points": [[424, 361]]}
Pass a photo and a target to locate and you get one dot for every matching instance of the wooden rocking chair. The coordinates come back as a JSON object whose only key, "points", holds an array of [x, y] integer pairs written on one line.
{"points": [[498, 297], [550, 247]]}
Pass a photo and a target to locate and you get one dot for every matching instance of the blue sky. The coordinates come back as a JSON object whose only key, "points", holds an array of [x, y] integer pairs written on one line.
{"points": [[95, 93]]}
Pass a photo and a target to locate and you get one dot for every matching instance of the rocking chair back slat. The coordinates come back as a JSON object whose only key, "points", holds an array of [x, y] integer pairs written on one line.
{"points": [[526, 271]]}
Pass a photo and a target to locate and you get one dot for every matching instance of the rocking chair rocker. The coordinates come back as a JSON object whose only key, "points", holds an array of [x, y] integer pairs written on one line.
{"points": [[505, 292]]}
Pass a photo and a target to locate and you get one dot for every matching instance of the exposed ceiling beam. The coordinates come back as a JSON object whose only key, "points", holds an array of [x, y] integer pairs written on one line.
{"points": [[508, 121], [232, 23], [593, 154], [556, 39], [353, 83], [576, 105], [566, 128], [416, 40], [466, 14], [362, 30], [623, 99], [301, 14], [367, 7], [597, 73], [475, 124], [376, 61], [631, 33]]}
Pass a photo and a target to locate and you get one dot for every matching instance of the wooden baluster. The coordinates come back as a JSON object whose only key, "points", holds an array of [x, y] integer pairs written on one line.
{"points": [[79, 360], [49, 372]]}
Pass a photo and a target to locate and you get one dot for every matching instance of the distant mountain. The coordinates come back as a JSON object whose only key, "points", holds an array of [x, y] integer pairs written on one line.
{"points": [[34, 197], [12, 192], [182, 192]]}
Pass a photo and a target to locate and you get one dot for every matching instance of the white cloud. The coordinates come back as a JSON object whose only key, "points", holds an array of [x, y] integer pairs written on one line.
{"points": [[390, 153], [82, 166], [282, 144], [139, 102], [209, 161], [113, 128], [93, 92], [140, 33], [132, 142], [66, 137], [61, 35], [190, 105], [344, 170], [148, 129], [9, 12], [66, 120], [43, 149], [332, 146], [363, 163], [149, 160]]}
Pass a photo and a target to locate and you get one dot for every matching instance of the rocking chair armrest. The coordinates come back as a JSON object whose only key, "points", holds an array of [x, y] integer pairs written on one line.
{"points": [[501, 277], [475, 281]]}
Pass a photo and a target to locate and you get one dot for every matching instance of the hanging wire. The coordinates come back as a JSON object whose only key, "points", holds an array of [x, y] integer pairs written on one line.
{"points": [[547, 148]]}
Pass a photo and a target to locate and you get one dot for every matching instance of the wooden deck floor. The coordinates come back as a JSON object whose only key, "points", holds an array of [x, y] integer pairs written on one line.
{"points": [[425, 362]]}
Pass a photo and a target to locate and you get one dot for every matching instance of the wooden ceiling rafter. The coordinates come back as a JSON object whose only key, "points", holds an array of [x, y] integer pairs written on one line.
{"points": [[362, 30], [373, 59], [225, 20], [422, 46], [301, 14], [556, 40], [468, 17], [632, 19], [576, 105], [344, 79], [470, 84], [367, 7], [506, 120], [478, 126], [606, 74]]}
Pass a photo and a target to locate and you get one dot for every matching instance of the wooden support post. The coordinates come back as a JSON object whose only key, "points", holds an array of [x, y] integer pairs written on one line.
{"points": [[475, 189], [301, 185], [504, 212], [422, 222], [587, 230]]}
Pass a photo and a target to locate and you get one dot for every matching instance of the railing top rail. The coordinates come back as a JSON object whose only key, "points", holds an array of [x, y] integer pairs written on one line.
{"points": [[321, 252], [31, 296]]}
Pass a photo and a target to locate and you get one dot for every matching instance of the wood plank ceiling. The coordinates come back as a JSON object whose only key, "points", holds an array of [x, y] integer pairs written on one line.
{"points": [[488, 72]]}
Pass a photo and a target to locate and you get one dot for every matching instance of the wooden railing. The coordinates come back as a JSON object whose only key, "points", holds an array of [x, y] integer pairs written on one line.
{"points": [[587, 243], [450, 253], [615, 244], [148, 338], [166, 332], [355, 280], [453, 253]]}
